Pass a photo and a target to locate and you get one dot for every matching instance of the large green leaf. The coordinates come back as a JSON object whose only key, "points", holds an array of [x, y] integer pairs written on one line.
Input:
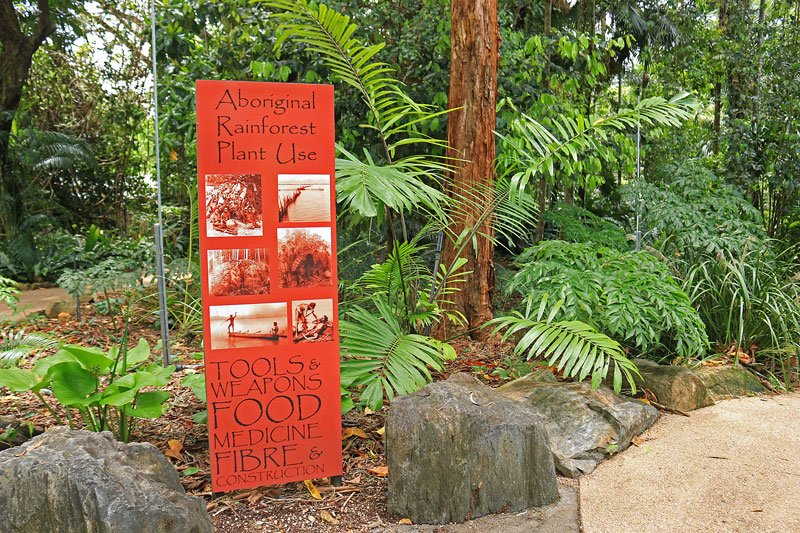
{"points": [[148, 405], [72, 384], [17, 379]]}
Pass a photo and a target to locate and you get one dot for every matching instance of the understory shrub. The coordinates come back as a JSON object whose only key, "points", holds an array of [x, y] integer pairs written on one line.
{"points": [[631, 296], [747, 299], [694, 213], [576, 224]]}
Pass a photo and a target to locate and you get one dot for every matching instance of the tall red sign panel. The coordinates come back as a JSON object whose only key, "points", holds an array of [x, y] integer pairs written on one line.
{"points": [[265, 156]]}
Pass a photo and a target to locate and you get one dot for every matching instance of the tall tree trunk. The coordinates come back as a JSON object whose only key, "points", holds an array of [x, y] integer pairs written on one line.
{"points": [[16, 53], [474, 52]]}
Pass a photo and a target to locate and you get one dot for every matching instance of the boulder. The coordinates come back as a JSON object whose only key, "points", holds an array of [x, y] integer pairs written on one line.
{"points": [[522, 385], [457, 450], [78, 481], [584, 426], [61, 306], [675, 387], [728, 381]]}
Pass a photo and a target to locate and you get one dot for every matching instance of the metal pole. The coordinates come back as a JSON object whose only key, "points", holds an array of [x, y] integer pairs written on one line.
{"points": [[162, 286], [638, 174], [439, 241], [162, 295], [77, 296]]}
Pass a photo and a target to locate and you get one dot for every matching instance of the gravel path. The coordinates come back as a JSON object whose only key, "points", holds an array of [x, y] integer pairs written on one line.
{"points": [[732, 467]]}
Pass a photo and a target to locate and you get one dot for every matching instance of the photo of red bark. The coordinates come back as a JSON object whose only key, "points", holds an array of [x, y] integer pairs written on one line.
{"points": [[312, 321], [304, 255], [233, 205], [238, 272]]}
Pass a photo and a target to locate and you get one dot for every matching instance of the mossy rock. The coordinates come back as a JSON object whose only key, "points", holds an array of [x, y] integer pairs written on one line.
{"points": [[728, 381]]}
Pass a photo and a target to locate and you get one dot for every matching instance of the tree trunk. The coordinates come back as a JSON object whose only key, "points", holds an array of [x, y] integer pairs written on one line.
{"points": [[717, 114], [15, 58], [474, 51]]}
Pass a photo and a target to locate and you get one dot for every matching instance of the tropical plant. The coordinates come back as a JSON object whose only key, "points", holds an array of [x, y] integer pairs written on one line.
{"points": [[694, 213], [575, 347], [576, 224], [9, 292], [104, 388], [16, 345], [380, 355], [631, 296], [747, 299]]}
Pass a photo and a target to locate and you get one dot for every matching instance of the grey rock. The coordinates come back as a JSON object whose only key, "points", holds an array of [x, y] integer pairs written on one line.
{"points": [[726, 382], [61, 306], [559, 517], [585, 425], [521, 386], [77, 481], [458, 450], [673, 386]]}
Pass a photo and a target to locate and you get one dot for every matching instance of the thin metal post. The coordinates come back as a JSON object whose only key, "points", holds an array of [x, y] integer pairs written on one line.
{"points": [[162, 294], [162, 286], [439, 241], [638, 173], [77, 296]]}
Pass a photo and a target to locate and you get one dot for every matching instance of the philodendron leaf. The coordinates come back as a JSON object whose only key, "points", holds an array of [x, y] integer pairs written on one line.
{"points": [[201, 417], [17, 379], [148, 405], [139, 354], [197, 382], [72, 384], [89, 358]]}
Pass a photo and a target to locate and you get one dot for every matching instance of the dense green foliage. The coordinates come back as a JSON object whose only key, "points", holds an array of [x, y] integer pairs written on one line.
{"points": [[631, 296]]}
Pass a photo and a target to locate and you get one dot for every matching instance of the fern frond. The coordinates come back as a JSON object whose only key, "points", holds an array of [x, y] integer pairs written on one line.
{"points": [[575, 347], [377, 354]]}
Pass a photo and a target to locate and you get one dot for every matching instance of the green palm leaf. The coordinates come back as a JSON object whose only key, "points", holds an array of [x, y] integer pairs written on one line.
{"points": [[14, 346], [377, 354]]}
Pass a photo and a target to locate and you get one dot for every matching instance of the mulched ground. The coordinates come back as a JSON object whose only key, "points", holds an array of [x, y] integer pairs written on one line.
{"points": [[358, 504]]}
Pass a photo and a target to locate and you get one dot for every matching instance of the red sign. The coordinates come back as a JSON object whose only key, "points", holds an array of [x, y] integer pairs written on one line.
{"points": [[265, 159]]}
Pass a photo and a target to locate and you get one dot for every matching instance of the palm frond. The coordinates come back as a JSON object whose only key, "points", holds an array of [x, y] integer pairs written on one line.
{"points": [[16, 345], [575, 347], [377, 354]]}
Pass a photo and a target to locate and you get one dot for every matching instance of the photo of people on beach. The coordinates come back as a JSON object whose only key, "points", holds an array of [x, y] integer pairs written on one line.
{"points": [[304, 198], [304, 256], [233, 205], [312, 321], [238, 272], [248, 326]]}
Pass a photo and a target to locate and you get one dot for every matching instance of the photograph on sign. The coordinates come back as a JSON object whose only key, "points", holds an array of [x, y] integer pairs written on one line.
{"points": [[238, 272], [312, 321], [304, 198], [304, 256], [248, 325], [233, 205]]}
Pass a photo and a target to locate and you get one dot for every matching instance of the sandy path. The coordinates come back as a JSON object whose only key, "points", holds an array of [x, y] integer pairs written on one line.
{"points": [[36, 300], [733, 467]]}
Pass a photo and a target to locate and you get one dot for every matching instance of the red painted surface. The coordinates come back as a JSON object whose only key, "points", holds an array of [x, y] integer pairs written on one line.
{"points": [[272, 359]]}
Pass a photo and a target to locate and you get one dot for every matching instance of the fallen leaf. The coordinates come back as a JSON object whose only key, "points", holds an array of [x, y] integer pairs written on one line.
{"points": [[381, 471], [405, 521], [636, 441], [328, 517], [174, 451], [349, 432], [23, 452], [368, 411], [312, 489], [644, 400], [380, 431], [210, 506], [63, 316], [355, 481]]}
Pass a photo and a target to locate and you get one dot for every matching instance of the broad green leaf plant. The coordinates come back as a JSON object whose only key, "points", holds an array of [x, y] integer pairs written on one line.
{"points": [[105, 389]]}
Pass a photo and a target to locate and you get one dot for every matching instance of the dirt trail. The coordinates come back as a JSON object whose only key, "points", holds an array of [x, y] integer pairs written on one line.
{"points": [[35, 300], [731, 467]]}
